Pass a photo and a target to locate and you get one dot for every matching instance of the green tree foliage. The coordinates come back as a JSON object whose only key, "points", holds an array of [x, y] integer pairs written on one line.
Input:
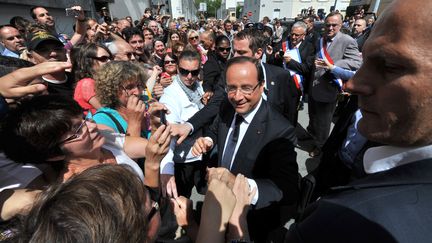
{"points": [[212, 7]]}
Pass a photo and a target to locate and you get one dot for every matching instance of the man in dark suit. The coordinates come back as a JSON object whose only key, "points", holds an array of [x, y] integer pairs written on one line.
{"points": [[280, 89], [392, 203], [257, 141], [341, 50]]}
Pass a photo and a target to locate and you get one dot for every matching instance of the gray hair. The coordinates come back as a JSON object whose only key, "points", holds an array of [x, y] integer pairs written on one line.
{"points": [[299, 24]]}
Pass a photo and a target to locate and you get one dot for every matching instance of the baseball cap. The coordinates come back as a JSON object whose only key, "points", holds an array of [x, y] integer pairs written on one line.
{"points": [[36, 38]]}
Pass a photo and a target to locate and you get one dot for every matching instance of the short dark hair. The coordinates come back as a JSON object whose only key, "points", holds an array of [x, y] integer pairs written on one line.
{"points": [[244, 59], [255, 37], [149, 30], [220, 39], [129, 32], [227, 22], [32, 14], [190, 55], [31, 132], [105, 203]]}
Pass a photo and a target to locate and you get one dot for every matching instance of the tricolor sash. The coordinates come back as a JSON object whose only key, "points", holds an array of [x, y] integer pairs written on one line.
{"points": [[295, 55], [323, 54]]}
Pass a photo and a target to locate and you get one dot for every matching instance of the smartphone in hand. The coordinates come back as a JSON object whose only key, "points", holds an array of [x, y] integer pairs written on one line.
{"points": [[72, 12], [163, 120]]}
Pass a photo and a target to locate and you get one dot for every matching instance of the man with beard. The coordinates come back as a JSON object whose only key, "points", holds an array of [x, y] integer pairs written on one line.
{"points": [[43, 17]]}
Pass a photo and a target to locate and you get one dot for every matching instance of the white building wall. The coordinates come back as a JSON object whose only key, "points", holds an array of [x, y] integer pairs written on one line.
{"points": [[288, 8], [123, 8]]}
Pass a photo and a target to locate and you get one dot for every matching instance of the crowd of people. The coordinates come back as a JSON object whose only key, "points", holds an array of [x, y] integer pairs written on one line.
{"points": [[105, 134]]}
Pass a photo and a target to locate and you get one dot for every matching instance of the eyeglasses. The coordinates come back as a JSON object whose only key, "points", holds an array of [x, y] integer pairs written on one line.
{"points": [[103, 58], [77, 132], [193, 38], [153, 211], [244, 90], [331, 25], [169, 62], [130, 87], [186, 72], [221, 49]]}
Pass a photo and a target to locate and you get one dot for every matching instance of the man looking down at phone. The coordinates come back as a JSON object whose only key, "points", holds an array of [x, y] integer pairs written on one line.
{"points": [[180, 170], [42, 16]]}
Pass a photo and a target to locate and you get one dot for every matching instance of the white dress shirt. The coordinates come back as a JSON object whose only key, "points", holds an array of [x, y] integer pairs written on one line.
{"points": [[382, 158]]}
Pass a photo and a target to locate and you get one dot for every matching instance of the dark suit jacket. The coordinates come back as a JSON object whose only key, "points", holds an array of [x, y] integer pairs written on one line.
{"points": [[389, 206], [265, 154], [307, 67], [214, 71], [282, 92]]}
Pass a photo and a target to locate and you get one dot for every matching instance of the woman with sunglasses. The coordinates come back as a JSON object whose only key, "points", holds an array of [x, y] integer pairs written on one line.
{"points": [[214, 68], [86, 60], [170, 70], [119, 87], [194, 44]]}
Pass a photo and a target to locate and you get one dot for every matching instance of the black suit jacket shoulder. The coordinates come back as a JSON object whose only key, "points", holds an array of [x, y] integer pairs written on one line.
{"points": [[282, 92], [266, 154], [214, 71], [389, 206]]}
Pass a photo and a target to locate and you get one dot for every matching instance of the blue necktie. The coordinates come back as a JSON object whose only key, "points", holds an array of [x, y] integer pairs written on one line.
{"points": [[232, 142]]}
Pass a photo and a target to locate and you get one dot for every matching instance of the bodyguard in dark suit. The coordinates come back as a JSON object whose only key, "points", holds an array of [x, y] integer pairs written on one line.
{"points": [[255, 140], [214, 68], [279, 88], [392, 203]]}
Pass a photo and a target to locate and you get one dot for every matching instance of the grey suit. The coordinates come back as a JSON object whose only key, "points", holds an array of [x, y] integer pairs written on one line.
{"points": [[323, 92]]}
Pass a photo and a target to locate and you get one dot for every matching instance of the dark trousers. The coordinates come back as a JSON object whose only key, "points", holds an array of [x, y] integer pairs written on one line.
{"points": [[188, 175], [320, 119]]}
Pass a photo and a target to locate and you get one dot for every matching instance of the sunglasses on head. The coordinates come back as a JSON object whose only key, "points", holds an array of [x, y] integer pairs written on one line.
{"points": [[221, 49], [186, 72]]}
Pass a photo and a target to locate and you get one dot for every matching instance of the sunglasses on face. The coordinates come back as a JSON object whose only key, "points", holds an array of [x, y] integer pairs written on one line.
{"points": [[103, 58], [186, 72], [193, 38], [169, 62], [221, 49]]}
